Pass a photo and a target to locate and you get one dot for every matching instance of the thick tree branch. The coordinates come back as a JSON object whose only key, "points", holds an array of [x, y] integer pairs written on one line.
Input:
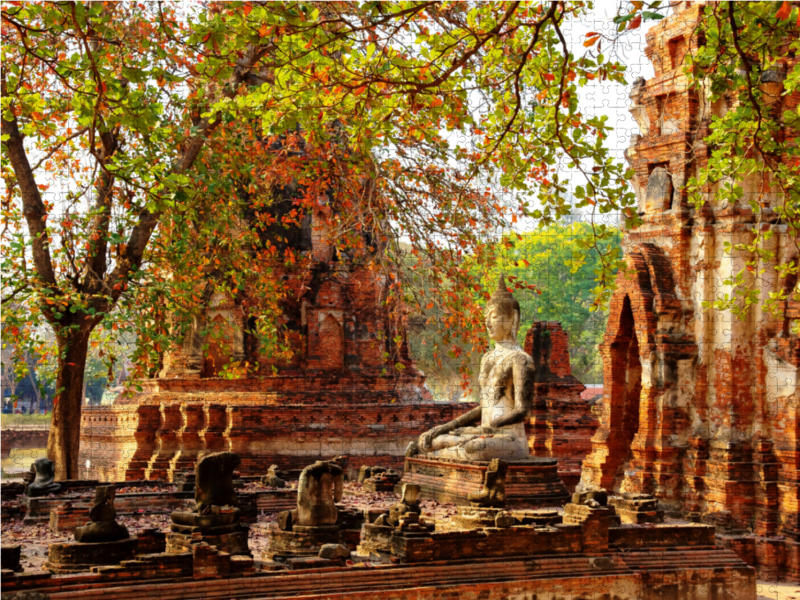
{"points": [[32, 205]]}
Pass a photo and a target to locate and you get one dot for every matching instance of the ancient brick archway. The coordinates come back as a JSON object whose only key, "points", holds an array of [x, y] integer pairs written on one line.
{"points": [[634, 448], [624, 393]]}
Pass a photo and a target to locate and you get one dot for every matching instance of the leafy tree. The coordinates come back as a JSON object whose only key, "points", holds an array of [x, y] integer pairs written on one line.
{"points": [[346, 113], [94, 110], [555, 261], [401, 82]]}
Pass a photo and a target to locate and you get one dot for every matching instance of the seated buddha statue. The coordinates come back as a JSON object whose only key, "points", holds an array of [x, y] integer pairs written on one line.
{"points": [[496, 428]]}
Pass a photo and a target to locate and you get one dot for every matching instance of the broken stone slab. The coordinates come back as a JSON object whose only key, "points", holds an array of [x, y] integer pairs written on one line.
{"points": [[600, 496], [365, 472], [637, 509], [334, 551], [494, 486], [382, 481]]}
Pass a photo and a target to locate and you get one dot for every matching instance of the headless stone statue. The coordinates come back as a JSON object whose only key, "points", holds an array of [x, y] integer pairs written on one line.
{"points": [[104, 527], [273, 478], [214, 480], [320, 488], [496, 428], [215, 518], [43, 483], [409, 503]]}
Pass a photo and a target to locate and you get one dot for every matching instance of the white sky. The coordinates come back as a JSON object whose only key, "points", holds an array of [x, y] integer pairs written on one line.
{"points": [[605, 98]]}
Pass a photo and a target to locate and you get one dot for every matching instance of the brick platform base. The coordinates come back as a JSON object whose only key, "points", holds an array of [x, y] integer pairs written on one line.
{"points": [[167, 431], [685, 573], [74, 557], [534, 481]]}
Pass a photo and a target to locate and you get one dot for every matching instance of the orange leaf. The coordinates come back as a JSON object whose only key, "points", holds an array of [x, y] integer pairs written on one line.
{"points": [[360, 90], [591, 41], [246, 10], [549, 77], [637, 20], [784, 11], [430, 306]]}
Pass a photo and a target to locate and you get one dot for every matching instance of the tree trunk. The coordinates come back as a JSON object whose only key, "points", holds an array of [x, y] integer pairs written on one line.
{"points": [[64, 440], [36, 393]]}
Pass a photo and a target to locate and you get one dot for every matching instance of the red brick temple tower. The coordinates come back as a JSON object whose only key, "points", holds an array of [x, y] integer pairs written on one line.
{"points": [[350, 388], [700, 408]]}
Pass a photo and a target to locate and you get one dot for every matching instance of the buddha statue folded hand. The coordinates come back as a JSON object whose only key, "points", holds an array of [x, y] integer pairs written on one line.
{"points": [[496, 428]]}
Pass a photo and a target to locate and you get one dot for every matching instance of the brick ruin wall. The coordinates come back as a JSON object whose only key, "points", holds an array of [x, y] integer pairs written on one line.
{"points": [[562, 422], [23, 439], [699, 408], [349, 388], [296, 419]]}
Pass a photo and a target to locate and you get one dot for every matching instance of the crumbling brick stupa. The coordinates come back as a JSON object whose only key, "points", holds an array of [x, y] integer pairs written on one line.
{"points": [[700, 408], [562, 423], [350, 387]]}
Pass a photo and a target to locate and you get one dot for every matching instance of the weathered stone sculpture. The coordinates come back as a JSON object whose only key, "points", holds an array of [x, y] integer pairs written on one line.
{"points": [[104, 526], [376, 539], [214, 480], [315, 521], [215, 516], [496, 428], [273, 478], [493, 493], [409, 503], [321, 487], [43, 484], [102, 541]]}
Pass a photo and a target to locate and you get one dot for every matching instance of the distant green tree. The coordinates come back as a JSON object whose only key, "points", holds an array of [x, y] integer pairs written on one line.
{"points": [[555, 260], [560, 284]]}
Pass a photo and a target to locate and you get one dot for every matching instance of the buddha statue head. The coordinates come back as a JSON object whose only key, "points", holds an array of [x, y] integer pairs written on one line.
{"points": [[502, 314]]}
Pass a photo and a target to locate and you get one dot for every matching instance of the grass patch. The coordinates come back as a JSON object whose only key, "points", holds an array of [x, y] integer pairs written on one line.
{"points": [[34, 419]]}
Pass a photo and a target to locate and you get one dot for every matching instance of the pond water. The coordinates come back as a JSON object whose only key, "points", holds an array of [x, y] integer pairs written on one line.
{"points": [[20, 460]]}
